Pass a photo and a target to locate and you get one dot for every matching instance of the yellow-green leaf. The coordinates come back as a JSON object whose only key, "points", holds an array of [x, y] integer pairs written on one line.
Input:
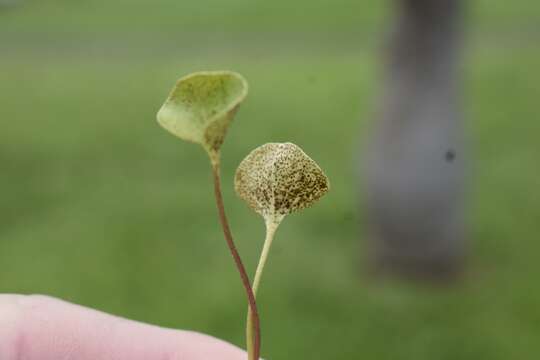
{"points": [[202, 105]]}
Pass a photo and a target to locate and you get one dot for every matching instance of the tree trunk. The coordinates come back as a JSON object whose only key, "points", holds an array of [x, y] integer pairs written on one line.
{"points": [[415, 167]]}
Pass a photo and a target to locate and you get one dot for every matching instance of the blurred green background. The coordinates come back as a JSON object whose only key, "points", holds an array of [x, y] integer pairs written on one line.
{"points": [[101, 207]]}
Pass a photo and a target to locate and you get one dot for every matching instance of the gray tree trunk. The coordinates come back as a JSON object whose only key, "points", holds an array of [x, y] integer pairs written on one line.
{"points": [[415, 167]]}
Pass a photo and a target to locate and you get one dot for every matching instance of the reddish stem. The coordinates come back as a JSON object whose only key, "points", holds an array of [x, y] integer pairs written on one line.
{"points": [[237, 260]]}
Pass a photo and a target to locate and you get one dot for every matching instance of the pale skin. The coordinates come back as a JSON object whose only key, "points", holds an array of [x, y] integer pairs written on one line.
{"points": [[43, 328]]}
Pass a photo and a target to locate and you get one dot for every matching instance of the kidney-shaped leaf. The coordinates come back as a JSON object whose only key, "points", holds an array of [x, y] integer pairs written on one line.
{"points": [[201, 106]]}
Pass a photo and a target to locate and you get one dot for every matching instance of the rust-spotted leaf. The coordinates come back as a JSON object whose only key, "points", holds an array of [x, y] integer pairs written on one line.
{"points": [[277, 179]]}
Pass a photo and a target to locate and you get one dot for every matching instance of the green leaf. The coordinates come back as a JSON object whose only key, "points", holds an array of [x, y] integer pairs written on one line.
{"points": [[202, 105], [277, 179]]}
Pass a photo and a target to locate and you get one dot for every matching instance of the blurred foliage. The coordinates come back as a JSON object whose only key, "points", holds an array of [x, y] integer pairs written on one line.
{"points": [[99, 206]]}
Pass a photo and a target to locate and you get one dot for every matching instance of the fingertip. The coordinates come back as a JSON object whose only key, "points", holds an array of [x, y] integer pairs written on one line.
{"points": [[198, 346], [43, 328]]}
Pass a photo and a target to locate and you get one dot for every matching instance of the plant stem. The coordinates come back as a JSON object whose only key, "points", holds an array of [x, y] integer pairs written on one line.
{"points": [[271, 227], [255, 339]]}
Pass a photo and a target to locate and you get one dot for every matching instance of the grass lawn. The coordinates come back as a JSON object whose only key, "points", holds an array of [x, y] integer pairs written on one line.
{"points": [[100, 206]]}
